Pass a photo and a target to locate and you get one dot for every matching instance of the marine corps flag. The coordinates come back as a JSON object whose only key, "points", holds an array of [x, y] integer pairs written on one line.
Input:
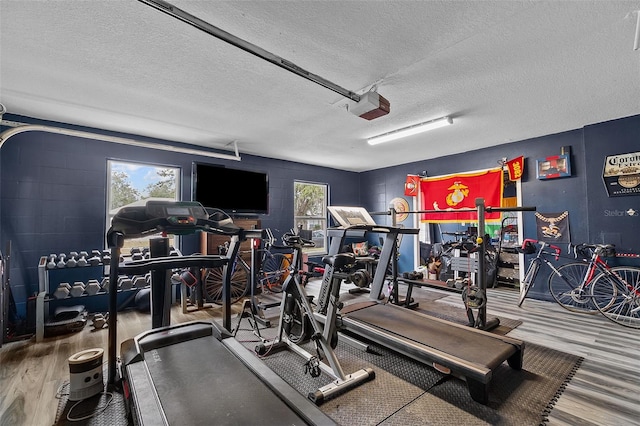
{"points": [[451, 193]]}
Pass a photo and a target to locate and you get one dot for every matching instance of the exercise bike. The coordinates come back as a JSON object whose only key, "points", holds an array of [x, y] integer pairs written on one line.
{"points": [[297, 325]]}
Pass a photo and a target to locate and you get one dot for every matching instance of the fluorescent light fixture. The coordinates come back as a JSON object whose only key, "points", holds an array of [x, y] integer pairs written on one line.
{"points": [[411, 130]]}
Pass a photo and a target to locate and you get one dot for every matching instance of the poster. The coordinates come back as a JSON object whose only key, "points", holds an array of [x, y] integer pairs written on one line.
{"points": [[553, 227], [621, 174]]}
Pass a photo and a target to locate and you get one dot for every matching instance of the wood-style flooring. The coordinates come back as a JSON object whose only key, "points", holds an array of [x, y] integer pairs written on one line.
{"points": [[604, 391]]}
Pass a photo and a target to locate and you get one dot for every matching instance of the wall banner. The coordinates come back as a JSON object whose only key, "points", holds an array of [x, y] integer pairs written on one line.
{"points": [[621, 174], [515, 168], [452, 193], [412, 185], [553, 227]]}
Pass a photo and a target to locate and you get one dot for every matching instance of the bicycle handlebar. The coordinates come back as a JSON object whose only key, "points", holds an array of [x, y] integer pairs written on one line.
{"points": [[543, 244], [292, 240]]}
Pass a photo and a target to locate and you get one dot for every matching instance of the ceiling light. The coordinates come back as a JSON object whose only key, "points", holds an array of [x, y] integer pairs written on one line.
{"points": [[410, 130]]}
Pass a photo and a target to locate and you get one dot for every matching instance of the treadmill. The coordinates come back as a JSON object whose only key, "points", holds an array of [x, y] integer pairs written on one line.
{"points": [[462, 351], [192, 373]]}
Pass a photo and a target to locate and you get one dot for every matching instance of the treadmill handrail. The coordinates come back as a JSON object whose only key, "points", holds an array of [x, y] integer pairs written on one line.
{"points": [[378, 228], [136, 267]]}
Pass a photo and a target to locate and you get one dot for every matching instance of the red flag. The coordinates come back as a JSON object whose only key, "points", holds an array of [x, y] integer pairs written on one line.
{"points": [[516, 168], [412, 185], [453, 193]]}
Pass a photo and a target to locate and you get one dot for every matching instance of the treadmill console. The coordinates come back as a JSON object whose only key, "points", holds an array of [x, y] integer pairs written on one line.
{"points": [[171, 217], [176, 212]]}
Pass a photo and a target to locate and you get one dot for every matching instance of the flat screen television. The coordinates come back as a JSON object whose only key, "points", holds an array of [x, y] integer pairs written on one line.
{"points": [[235, 191]]}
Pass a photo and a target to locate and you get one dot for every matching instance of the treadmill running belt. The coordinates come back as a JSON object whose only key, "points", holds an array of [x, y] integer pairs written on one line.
{"points": [[219, 387], [455, 340]]}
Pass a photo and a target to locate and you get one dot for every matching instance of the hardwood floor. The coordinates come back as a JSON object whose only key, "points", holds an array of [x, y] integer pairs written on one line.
{"points": [[606, 388], [31, 373], [604, 391]]}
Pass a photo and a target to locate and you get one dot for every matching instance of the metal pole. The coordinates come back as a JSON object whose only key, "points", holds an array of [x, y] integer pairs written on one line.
{"points": [[115, 243], [480, 277], [210, 29], [486, 209], [394, 260], [4, 292], [160, 285]]}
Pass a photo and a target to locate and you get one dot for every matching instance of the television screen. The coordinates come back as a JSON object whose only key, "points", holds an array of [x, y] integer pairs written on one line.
{"points": [[231, 190]]}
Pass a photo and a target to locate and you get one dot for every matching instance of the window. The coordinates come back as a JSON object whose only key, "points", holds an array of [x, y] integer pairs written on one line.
{"points": [[132, 184], [310, 212]]}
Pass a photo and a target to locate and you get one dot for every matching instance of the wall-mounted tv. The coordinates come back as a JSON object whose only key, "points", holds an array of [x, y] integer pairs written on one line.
{"points": [[233, 190]]}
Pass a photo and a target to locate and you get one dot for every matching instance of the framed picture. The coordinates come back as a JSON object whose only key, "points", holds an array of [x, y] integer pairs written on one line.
{"points": [[557, 166]]}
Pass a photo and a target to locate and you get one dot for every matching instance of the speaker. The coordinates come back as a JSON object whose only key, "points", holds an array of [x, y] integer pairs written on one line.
{"points": [[85, 371]]}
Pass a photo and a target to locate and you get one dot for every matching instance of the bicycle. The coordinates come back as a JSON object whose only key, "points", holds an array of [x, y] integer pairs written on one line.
{"points": [[623, 303], [273, 270], [274, 267], [213, 278], [588, 286]]}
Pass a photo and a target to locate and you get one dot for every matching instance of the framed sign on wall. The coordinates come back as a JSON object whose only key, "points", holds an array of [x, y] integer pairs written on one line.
{"points": [[557, 166]]}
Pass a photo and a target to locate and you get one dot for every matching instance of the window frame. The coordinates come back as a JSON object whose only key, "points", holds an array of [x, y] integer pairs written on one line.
{"points": [[321, 219], [110, 213]]}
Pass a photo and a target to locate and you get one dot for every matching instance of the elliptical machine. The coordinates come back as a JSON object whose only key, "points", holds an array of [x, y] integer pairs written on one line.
{"points": [[297, 325]]}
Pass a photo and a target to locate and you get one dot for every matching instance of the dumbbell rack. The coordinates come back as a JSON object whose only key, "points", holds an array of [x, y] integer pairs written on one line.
{"points": [[51, 278]]}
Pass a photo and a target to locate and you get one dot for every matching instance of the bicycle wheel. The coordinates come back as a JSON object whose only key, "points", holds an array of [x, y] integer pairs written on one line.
{"points": [[529, 279], [564, 286], [620, 289], [297, 326], [212, 284], [275, 269]]}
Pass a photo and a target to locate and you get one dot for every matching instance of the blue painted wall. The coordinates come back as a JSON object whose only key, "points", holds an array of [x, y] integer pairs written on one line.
{"points": [[53, 194], [53, 189], [583, 194]]}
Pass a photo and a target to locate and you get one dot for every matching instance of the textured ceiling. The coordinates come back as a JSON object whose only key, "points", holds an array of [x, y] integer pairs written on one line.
{"points": [[504, 70]]}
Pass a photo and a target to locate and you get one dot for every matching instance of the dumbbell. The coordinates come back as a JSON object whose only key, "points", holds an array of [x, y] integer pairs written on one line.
{"points": [[139, 281], [62, 292], [413, 275], [100, 321], [95, 258], [62, 260], [51, 263], [136, 253], [175, 279], [77, 289], [137, 256], [92, 287], [124, 283], [72, 261], [104, 284], [82, 259]]}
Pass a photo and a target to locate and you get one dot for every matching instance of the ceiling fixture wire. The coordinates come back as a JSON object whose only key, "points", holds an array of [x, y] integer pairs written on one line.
{"points": [[210, 29]]}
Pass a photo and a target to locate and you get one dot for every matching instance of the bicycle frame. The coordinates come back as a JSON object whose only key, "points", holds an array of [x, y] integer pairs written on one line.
{"points": [[597, 265], [604, 267], [531, 274], [609, 290]]}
